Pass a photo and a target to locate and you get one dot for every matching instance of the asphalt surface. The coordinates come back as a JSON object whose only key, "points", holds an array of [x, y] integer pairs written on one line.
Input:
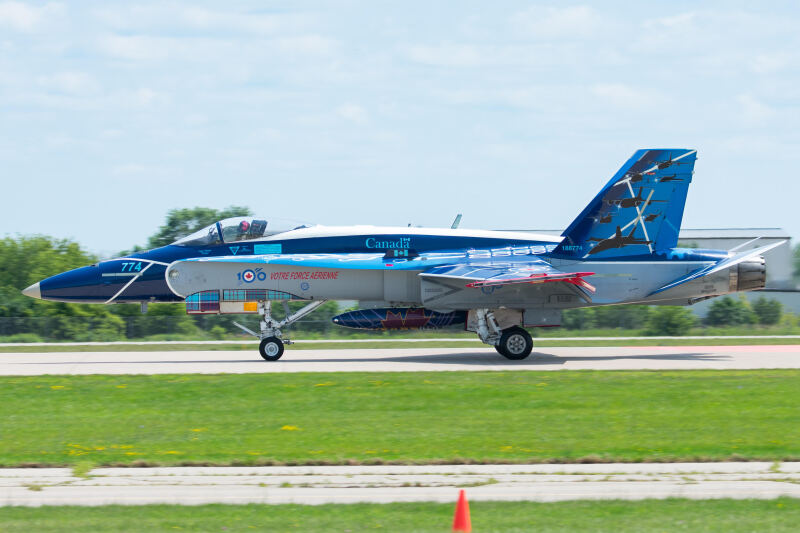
{"points": [[402, 359], [384, 484]]}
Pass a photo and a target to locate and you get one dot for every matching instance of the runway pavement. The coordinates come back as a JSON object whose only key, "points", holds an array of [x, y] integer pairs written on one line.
{"points": [[402, 359], [383, 484]]}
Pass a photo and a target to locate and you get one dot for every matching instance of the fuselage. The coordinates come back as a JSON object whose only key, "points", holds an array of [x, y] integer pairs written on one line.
{"points": [[140, 277]]}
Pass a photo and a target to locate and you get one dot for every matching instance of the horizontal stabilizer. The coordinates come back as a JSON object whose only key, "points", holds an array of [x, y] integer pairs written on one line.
{"points": [[722, 265]]}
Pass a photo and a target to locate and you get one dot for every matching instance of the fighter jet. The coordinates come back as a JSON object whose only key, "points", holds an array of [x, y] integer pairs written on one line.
{"points": [[671, 177], [617, 241], [493, 283], [635, 201], [633, 177], [651, 217], [668, 163]]}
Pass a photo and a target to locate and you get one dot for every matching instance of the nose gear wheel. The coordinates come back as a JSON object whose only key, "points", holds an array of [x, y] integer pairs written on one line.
{"points": [[271, 348]]}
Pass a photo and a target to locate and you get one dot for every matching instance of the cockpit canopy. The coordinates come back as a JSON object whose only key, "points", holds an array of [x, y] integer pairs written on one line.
{"points": [[237, 229]]}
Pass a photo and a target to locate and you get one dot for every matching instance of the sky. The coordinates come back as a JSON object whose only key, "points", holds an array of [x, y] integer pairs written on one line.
{"points": [[512, 113]]}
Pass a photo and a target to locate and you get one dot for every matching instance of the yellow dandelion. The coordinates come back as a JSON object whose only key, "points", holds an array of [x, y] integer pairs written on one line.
{"points": [[290, 428]]}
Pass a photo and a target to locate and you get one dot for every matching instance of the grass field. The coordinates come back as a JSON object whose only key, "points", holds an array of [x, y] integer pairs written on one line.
{"points": [[400, 417], [596, 516]]}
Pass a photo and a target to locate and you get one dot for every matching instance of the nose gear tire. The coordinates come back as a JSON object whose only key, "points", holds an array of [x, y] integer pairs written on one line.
{"points": [[515, 344], [271, 348]]}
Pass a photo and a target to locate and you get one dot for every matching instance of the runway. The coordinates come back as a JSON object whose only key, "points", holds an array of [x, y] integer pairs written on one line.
{"points": [[402, 360], [384, 484]]}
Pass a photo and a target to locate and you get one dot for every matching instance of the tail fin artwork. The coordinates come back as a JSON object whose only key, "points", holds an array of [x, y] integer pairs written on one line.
{"points": [[638, 212]]}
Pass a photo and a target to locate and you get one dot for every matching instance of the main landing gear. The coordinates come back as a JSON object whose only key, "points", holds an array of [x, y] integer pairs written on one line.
{"points": [[272, 341], [512, 343]]}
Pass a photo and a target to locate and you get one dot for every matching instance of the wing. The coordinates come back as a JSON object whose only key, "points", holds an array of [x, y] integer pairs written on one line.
{"points": [[499, 274]]}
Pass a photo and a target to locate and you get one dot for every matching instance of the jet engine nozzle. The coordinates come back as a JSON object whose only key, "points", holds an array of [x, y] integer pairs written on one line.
{"points": [[749, 275]]}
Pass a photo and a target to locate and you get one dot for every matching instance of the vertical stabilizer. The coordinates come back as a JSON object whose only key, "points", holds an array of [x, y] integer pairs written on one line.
{"points": [[638, 212]]}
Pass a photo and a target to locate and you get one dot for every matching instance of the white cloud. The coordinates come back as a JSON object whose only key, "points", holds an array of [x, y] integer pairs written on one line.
{"points": [[112, 134], [25, 17], [136, 47], [353, 113], [176, 18], [479, 55], [678, 22], [453, 55], [624, 96], [549, 99], [142, 172], [145, 96], [752, 109], [307, 44], [767, 63], [72, 83], [575, 22]]}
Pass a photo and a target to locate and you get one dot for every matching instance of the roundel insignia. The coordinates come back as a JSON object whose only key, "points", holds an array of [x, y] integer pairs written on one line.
{"points": [[248, 276]]}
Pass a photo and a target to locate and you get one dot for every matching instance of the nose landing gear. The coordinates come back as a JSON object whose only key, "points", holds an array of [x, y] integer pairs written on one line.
{"points": [[272, 341]]}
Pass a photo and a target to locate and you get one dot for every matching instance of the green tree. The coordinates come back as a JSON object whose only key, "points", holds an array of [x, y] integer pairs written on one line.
{"points": [[797, 263], [727, 311], [621, 316], [24, 260], [27, 259], [670, 320], [581, 318], [182, 222], [768, 310]]}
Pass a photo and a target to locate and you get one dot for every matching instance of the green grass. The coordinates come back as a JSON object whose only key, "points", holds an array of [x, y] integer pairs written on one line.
{"points": [[596, 516], [425, 417]]}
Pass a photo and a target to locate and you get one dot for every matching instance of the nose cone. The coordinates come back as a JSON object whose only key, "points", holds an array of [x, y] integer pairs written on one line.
{"points": [[33, 291], [83, 285]]}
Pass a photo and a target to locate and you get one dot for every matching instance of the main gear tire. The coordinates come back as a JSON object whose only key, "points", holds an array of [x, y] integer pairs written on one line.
{"points": [[271, 348], [515, 344]]}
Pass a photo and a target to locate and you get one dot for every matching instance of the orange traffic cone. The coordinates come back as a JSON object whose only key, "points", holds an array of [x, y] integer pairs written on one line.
{"points": [[461, 521]]}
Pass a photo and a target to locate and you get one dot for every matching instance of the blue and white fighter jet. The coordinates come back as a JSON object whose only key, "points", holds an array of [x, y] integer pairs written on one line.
{"points": [[621, 249]]}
